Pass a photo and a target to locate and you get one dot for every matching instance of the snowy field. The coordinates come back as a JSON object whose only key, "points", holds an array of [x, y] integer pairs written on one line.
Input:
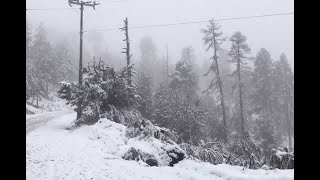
{"points": [[94, 152]]}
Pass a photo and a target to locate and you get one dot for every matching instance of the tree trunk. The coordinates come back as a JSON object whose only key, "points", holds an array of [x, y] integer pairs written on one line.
{"points": [[221, 91], [288, 125], [240, 93], [47, 88], [287, 105], [37, 101]]}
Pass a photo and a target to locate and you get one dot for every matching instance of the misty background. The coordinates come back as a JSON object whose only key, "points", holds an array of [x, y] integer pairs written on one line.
{"points": [[215, 78], [273, 33]]}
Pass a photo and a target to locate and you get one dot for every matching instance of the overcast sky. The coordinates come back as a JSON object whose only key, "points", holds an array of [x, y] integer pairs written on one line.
{"points": [[276, 33]]}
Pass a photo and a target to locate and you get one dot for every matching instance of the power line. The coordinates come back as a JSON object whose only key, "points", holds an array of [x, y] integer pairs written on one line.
{"points": [[48, 9], [196, 22]]}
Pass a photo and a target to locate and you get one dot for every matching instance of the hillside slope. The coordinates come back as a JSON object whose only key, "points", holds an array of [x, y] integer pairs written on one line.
{"points": [[95, 152]]}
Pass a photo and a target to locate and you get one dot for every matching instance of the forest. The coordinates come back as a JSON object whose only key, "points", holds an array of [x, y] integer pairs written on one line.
{"points": [[235, 108]]}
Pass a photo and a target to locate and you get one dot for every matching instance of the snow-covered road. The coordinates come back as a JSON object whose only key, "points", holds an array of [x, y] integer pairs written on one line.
{"points": [[36, 120], [94, 152]]}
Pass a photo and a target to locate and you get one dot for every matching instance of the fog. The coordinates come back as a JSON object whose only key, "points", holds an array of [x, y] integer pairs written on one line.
{"points": [[275, 33], [224, 101]]}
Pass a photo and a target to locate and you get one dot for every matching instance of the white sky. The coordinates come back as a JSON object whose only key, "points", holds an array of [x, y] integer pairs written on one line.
{"points": [[276, 34]]}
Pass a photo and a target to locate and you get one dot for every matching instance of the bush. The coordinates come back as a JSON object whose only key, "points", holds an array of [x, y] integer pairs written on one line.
{"points": [[191, 151], [144, 128], [247, 149], [281, 159], [243, 152], [102, 86]]}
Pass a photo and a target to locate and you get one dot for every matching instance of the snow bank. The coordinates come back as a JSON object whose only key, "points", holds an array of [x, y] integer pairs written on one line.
{"points": [[237, 172], [114, 135], [95, 152]]}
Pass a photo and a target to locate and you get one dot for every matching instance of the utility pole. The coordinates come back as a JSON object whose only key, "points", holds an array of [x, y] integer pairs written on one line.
{"points": [[127, 52], [127, 49], [81, 3]]}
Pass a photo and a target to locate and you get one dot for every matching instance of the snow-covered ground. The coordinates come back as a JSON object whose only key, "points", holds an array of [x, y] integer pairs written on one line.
{"points": [[47, 105], [94, 152], [34, 121]]}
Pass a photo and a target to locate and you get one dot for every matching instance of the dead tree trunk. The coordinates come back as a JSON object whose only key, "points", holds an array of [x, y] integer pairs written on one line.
{"points": [[215, 57]]}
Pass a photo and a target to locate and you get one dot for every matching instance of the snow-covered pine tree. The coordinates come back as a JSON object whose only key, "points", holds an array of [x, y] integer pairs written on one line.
{"points": [[149, 60], [42, 56], [212, 38], [184, 85], [262, 99], [102, 87], [35, 86], [239, 50], [163, 114], [283, 97], [144, 90], [262, 82], [62, 59], [266, 133], [28, 40]]}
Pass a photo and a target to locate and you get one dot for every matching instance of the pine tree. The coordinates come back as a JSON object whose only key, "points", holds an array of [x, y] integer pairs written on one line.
{"points": [[42, 56], [149, 59], [262, 82], [102, 87], [62, 59], [187, 54], [266, 133], [163, 113], [184, 79], [262, 98], [35, 86], [144, 90], [184, 84], [238, 51], [283, 98], [28, 40], [212, 38]]}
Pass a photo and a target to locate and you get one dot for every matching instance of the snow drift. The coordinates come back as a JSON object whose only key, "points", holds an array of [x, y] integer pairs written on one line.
{"points": [[96, 152]]}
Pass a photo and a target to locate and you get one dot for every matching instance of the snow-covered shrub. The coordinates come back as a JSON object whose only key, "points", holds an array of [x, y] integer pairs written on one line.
{"points": [[166, 150], [191, 151], [153, 151], [132, 154], [265, 131], [175, 153], [122, 116], [265, 167], [235, 153], [102, 86], [281, 159], [211, 156], [247, 150], [137, 155], [145, 128]]}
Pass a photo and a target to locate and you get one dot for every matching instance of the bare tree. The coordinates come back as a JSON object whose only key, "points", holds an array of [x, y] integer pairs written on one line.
{"points": [[212, 38]]}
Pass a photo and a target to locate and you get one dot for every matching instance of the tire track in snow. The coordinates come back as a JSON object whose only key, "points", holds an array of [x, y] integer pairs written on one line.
{"points": [[37, 120]]}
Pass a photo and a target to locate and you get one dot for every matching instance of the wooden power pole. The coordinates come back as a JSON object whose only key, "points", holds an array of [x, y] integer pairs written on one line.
{"points": [[127, 50], [82, 4], [128, 56]]}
